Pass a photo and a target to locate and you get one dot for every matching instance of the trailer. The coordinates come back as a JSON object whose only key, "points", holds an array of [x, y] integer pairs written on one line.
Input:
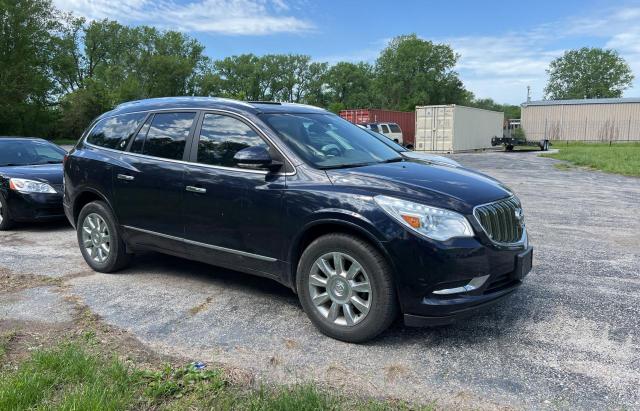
{"points": [[514, 136], [510, 142]]}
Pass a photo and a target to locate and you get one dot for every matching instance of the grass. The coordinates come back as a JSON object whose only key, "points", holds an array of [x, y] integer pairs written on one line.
{"points": [[71, 376], [619, 158]]}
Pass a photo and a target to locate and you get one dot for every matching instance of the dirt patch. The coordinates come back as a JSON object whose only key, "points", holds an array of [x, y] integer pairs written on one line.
{"points": [[200, 307], [10, 282]]}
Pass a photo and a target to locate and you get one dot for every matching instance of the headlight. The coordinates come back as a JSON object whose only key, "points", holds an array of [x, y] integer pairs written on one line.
{"points": [[30, 186], [436, 223]]}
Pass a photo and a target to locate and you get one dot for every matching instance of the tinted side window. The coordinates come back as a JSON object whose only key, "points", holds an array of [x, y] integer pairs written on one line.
{"points": [[221, 137], [384, 128], [115, 132], [374, 127], [394, 128], [168, 134]]}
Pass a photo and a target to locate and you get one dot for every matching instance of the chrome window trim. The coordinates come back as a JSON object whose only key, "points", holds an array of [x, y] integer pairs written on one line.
{"points": [[205, 111], [205, 245], [518, 243], [183, 162]]}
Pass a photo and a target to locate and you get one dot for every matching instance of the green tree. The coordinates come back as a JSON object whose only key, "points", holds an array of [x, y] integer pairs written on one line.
{"points": [[103, 63], [509, 110], [411, 71], [349, 85], [27, 28], [588, 73], [279, 77]]}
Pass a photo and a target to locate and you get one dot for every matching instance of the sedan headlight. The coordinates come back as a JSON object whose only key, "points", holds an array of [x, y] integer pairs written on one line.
{"points": [[435, 223], [30, 186]]}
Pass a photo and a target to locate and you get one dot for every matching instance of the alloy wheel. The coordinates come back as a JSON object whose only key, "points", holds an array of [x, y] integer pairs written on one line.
{"points": [[96, 238], [340, 289]]}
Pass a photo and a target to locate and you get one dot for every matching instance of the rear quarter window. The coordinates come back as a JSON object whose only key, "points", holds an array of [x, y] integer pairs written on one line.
{"points": [[115, 132]]}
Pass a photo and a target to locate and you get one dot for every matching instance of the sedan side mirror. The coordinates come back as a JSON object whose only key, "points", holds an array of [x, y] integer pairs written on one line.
{"points": [[256, 157]]}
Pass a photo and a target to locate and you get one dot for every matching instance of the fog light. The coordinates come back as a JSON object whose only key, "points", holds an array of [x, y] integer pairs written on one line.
{"points": [[474, 284]]}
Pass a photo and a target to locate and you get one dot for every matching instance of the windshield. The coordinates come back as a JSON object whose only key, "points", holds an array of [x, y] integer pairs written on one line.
{"points": [[29, 152], [386, 140], [328, 141]]}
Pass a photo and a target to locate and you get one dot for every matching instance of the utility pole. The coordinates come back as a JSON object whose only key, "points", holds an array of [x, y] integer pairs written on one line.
{"points": [[528, 94]]}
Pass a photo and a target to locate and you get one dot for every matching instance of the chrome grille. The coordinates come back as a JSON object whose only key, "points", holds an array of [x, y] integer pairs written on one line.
{"points": [[502, 221]]}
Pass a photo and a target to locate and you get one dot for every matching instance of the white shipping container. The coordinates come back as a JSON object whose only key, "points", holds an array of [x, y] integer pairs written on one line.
{"points": [[452, 128]]}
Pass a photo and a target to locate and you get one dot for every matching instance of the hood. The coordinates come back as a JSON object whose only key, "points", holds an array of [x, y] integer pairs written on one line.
{"points": [[49, 173], [442, 186]]}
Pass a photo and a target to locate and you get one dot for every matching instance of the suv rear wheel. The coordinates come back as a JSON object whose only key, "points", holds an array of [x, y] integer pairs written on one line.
{"points": [[345, 287], [99, 240]]}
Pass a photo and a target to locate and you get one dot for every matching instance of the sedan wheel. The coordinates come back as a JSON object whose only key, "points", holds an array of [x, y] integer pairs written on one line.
{"points": [[5, 220], [340, 289], [96, 238]]}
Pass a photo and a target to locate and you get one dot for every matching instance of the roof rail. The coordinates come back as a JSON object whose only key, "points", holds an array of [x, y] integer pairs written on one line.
{"points": [[277, 103]]}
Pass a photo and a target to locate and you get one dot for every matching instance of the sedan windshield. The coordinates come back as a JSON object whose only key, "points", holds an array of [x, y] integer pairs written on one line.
{"points": [[29, 152], [327, 141]]}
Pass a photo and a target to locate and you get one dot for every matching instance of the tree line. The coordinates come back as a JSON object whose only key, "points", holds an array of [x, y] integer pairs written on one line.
{"points": [[59, 71]]}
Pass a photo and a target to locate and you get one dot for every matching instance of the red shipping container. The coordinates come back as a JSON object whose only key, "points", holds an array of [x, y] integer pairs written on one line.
{"points": [[405, 119]]}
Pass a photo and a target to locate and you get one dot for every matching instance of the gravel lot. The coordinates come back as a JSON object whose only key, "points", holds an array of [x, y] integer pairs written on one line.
{"points": [[569, 338]]}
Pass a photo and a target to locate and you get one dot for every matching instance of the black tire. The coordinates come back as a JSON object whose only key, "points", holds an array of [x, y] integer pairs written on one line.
{"points": [[383, 302], [508, 148], [117, 257], [409, 147], [6, 223]]}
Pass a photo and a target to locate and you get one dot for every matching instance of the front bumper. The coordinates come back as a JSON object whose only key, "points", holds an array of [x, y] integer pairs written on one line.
{"points": [[34, 206], [425, 268]]}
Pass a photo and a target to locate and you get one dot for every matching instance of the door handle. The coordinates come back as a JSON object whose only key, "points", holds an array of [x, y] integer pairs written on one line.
{"points": [[125, 177], [199, 190]]}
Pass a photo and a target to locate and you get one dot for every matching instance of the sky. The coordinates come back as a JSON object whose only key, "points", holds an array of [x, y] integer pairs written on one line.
{"points": [[504, 46]]}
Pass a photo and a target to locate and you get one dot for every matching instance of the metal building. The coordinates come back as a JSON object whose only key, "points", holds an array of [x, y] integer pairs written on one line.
{"points": [[451, 128], [605, 119]]}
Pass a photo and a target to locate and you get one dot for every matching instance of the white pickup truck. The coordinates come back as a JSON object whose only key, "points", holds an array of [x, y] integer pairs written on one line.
{"points": [[389, 130]]}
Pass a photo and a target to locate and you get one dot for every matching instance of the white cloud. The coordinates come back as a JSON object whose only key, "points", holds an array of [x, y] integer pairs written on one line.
{"points": [[501, 67], [229, 17]]}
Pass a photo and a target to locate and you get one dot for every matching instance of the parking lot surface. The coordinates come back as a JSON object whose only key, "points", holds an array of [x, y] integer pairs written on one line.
{"points": [[568, 338]]}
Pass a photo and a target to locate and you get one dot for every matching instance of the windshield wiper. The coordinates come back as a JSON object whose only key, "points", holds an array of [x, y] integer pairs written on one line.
{"points": [[370, 163], [346, 165]]}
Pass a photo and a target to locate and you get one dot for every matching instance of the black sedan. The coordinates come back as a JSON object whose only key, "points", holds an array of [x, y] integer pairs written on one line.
{"points": [[30, 180]]}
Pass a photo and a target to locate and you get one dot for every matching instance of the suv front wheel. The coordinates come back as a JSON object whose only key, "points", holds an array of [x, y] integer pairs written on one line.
{"points": [[99, 239], [345, 287]]}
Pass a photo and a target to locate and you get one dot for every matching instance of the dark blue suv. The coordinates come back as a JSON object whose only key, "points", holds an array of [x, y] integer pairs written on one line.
{"points": [[296, 194]]}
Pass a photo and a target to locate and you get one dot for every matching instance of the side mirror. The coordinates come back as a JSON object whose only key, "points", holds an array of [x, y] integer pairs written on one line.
{"points": [[256, 157]]}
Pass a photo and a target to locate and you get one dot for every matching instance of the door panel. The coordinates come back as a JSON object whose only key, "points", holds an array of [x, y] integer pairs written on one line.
{"points": [[236, 211], [149, 189]]}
